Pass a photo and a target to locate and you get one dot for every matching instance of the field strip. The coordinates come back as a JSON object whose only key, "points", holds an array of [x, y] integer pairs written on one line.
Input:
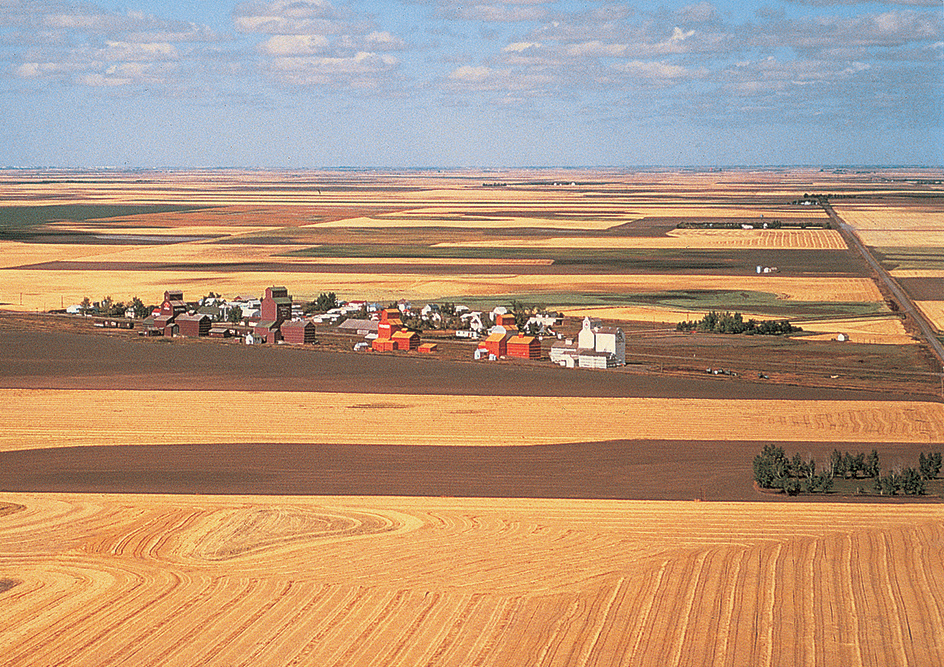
{"points": [[917, 273], [934, 311], [15, 253], [877, 330], [913, 218], [116, 579], [819, 239], [895, 238], [41, 290], [38, 418]]}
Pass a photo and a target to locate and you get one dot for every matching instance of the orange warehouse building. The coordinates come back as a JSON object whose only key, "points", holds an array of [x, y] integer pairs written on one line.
{"points": [[406, 340], [524, 347], [497, 344]]}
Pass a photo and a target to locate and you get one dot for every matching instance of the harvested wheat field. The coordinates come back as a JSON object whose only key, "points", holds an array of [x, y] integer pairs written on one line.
{"points": [[173, 580], [51, 418], [707, 239], [934, 311], [894, 218], [870, 330]]}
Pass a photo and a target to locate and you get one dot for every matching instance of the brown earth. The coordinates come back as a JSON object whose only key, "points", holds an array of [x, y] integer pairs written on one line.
{"points": [[923, 289], [622, 469], [88, 358]]}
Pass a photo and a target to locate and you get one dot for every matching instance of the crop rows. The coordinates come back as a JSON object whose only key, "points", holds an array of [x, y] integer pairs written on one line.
{"points": [[132, 580], [49, 418]]}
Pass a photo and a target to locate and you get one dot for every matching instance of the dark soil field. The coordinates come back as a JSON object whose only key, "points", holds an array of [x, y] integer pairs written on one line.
{"points": [[923, 289], [625, 469], [36, 353]]}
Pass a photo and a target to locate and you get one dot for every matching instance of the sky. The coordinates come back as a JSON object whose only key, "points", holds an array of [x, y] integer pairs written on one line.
{"points": [[485, 83]]}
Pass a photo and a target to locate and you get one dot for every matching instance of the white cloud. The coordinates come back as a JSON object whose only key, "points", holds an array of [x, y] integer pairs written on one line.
{"points": [[596, 49], [518, 47], [652, 70], [470, 73], [126, 51], [287, 45]]}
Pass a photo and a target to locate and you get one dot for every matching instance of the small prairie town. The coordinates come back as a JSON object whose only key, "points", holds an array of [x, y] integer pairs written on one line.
{"points": [[275, 318]]}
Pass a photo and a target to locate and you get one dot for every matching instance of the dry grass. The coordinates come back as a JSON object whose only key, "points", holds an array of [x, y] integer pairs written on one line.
{"points": [[59, 418], [399, 581]]}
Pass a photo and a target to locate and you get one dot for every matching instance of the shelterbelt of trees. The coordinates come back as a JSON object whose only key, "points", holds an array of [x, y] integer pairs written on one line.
{"points": [[774, 470], [734, 323]]}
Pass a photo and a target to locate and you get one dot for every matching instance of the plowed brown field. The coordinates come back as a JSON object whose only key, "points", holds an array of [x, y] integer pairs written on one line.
{"points": [[345, 581]]}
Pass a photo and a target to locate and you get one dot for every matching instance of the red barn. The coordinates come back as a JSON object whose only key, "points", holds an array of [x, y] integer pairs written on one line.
{"points": [[524, 347], [429, 348], [497, 344], [276, 305], [300, 332], [193, 325]]}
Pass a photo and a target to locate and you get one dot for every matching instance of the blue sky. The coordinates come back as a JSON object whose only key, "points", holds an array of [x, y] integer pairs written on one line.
{"points": [[417, 83]]}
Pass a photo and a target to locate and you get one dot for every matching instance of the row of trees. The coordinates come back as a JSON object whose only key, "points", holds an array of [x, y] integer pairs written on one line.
{"points": [[774, 470], [734, 323], [324, 303], [108, 307]]}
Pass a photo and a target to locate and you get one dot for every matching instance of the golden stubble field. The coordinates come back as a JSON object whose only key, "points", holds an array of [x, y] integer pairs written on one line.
{"points": [[147, 580], [74, 417]]}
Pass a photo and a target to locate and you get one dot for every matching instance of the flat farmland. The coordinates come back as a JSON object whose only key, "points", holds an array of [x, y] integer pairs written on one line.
{"points": [[606, 233], [400, 581], [185, 501]]}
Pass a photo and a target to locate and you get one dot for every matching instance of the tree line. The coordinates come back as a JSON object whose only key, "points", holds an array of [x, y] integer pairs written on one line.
{"points": [[773, 469], [734, 323]]}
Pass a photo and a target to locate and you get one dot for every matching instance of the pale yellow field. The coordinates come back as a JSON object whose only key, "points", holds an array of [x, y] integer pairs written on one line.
{"points": [[886, 238], [911, 218], [878, 330], [373, 582], [60, 418], [818, 239], [934, 311]]}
